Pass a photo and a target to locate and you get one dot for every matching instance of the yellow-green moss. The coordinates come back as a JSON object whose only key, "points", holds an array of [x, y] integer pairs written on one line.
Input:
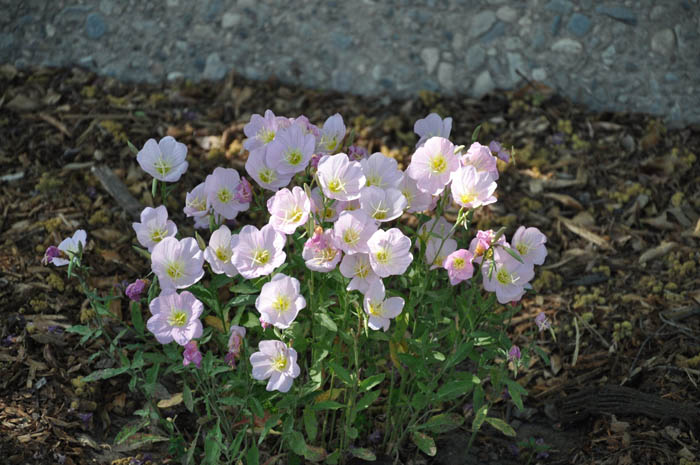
{"points": [[427, 97], [677, 199], [55, 282], [48, 182], [547, 280], [88, 91], [115, 129], [564, 125], [52, 224], [100, 217], [622, 330]]}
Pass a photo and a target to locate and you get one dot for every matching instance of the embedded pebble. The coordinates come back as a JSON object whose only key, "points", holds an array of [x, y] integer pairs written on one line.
{"points": [[430, 57], [663, 42]]}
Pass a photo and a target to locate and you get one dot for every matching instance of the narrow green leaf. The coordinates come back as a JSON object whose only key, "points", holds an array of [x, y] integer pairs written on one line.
{"points": [[137, 318], [479, 418], [105, 374], [193, 446], [81, 330], [236, 444], [475, 134], [362, 454], [328, 405], [454, 389], [367, 400], [253, 455], [129, 430], [212, 446], [341, 373], [514, 253], [187, 397], [244, 288], [372, 381], [443, 422], [296, 442], [310, 423], [516, 392], [501, 426], [256, 407], [326, 322], [133, 149], [424, 442], [269, 424]]}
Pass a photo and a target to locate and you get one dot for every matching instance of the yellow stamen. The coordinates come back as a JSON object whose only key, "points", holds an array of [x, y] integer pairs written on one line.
{"points": [[382, 256], [224, 195], [293, 157], [280, 363], [261, 256], [162, 166], [177, 318], [351, 236], [223, 254], [175, 270], [438, 164], [281, 304]]}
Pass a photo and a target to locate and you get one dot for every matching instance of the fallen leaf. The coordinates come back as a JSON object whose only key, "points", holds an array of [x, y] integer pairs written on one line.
{"points": [[565, 200], [586, 234], [657, 252], [171, 402]]}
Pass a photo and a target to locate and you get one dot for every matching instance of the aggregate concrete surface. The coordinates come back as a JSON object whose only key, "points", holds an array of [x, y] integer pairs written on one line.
{"points": [[636, 56]]}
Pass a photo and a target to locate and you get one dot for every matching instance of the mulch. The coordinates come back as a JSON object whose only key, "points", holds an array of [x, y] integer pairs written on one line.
{"points": [[616, 194]]}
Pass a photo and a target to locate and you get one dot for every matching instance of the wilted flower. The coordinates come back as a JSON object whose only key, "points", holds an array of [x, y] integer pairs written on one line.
{"points": [[275, 361], [70, 247], [164, 160], [258, 252], [431, 126], [500, 152], [243, 193], [481, 243], [514, 354], [380, 310], [219, 251], [192, 354], [154, 227], [178, 264], [542, 322], [357, 153], [280, 301], [134, 290], [175, 318], [51, 252], [235, 343]]}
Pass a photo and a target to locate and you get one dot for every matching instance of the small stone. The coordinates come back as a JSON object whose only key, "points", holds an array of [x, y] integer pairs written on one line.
{"points": [[173, 75], [568, 46], [341, 41], [483, 84], [445, 75], [95, 26], [619, 13], [539, 74], [513, 43], [497, 31], [430, 57], [172, 3], [515, 64], [475, 57], [663, 42], [563, 7], [556, 24], [50, 30], [608, 55], [671, 77], [458, 42], [230, 20], [107, 6], [507, 14], [482, 22], [657, 13], [579, 24], [214, 68]]}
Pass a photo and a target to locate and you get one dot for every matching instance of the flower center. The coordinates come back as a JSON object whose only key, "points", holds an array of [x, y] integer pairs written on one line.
{"points": [[178, 318], [294, 215], [351, 236], [409, 197], [162, 166], [175, 270], [438, 164], [224, 195], [261, 256], [280, 363], [361, 270], [458, 263], [523, 249], [266, 135], [267, 176], [329, 143], [281, 304], [223, 254], [158, 234], [382, 256], [379, 212], [504, 277], [293, 157], [374, 180], [328, 254], [336, 185], [376, 308], [198, 204], [467, 197]]}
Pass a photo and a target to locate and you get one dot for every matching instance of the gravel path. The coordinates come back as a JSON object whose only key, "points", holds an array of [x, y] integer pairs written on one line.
{"points": [[639, 56]]}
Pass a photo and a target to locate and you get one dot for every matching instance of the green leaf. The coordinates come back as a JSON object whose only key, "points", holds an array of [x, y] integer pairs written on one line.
{"points": [[143, 252], [542, 355], [105, 374], [133, 149], [341, 373], [501, 426], [190, 451], [256, 407], [367, 400], [479, 418], [475, 134], [296, 442], [187, 397], [460, 354], [253, 455], [81, 330], [424, 442], [326, 322], [269, 424], [372, 381], [362, 454], [236, 444], [310, 423], [138, 361], [137, 318], [244, 288], [130, 429], [514, 253], [516, 392], [212, 446], [443, 422], [328, 405], [219, 280], [454, 389]]}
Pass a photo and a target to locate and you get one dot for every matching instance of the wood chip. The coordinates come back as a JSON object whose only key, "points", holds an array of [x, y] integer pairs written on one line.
{"points": [[657, 252], [590, 236], [116, 188]]}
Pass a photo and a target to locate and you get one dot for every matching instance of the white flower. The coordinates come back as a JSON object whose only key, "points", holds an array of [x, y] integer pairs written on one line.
{"points": [[389, 252], [280, 301], [340, 178], [164, 160], [352, 230], [379, 310], [357, 267], [275, 361], [218, 253], [70, 246], [431, 126], [154, 227], [382, 204], [381, 171]]}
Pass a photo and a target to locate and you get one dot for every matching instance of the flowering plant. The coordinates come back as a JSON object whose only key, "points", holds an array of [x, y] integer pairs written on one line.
{"points": [[361, 314]]}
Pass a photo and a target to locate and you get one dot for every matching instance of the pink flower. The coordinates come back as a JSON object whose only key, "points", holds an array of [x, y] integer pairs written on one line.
{"points": [[51, 252], [280, 301], [389, 252], [432, 164], [262, 130], [542, 322], [506, 276], [289, 209], [431, 126], [472, 189], [178, 264], [220, 187], [70, 247], [164, 160], [154, 227], [500, 152], [416, 200], [332, 134], [357, 153], [381, 171], [175, 318], [382, 205], [258, 252], [352, 230], [243, 192], [529, 242], [291, 150], [134, 290], [358, 268], [196, 202], [192, 355], [275, 361], [514, 354], [219, 251], [459, 266], [235, 343], [436, 251], [306, 125], [380, 310], [266, 175], [320, 251], [481, 243], [479, 156], [340, 178]]}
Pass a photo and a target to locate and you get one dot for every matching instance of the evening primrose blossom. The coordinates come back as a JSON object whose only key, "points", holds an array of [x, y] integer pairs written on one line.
{"points": [[258, 252], [70, 247], [261, 130], [352, 230], [164, 160], [154, 227], [379, 310], [357, 268], [177, 263], [289, 209], [280, 301], [432, 126], [220, 187], [219, 251], [459, 266], [275, 361], [381, 171], [472, 189], [175, 317], [529, 242], [389, 252], [506, 276], [321, 252], [432, 164], [291, 150], [437, 250], [340, 178], [332, 135], [382, 205]]}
